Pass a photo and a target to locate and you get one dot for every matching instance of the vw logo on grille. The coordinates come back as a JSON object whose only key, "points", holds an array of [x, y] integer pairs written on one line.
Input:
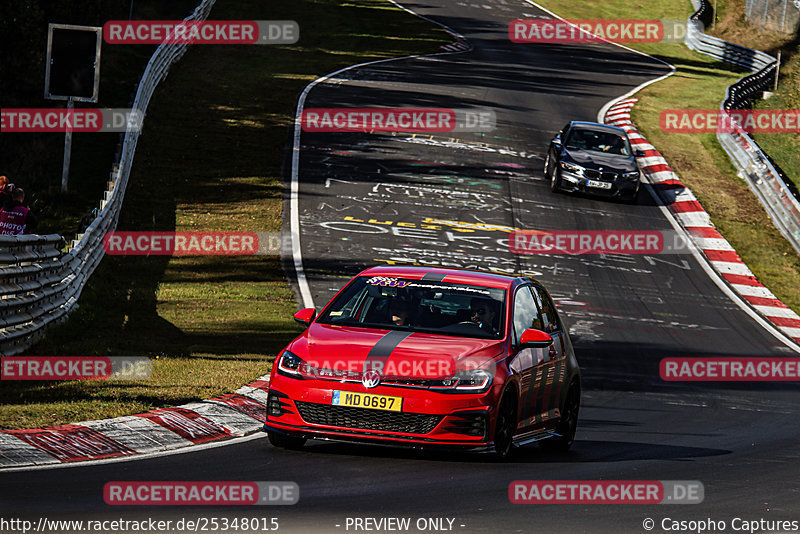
{"points": [[370, 379]]}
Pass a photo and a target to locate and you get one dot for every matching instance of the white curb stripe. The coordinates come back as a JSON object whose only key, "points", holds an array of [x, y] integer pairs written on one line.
{"points": [[726, 267], [775, 311], [754, 291], [713, 243]]}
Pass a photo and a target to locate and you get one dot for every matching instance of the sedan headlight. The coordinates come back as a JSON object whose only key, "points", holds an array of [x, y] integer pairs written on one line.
{"points": [[472, 381], [571, 167], [634, 175]]}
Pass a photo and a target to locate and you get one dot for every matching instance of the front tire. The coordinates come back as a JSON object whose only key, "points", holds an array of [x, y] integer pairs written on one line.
{"points": [[504, 427], [283, 441], [568, 424], [634, 198], [555, 180]]}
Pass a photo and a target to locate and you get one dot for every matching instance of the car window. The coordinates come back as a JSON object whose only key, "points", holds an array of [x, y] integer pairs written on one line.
{"points": [[526, 312], [549, 317], [418, 305], [597, 141]]}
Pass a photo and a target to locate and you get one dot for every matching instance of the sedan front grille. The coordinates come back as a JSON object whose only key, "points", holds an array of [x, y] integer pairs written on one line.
{"points": [[597, 175], [366, 419]]}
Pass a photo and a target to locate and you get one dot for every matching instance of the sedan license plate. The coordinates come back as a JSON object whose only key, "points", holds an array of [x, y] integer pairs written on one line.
{"points": [[367, 400], [597, 184]]}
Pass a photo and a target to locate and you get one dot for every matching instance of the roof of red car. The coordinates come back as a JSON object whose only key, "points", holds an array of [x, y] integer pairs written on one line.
{"points": [[443, 274]]}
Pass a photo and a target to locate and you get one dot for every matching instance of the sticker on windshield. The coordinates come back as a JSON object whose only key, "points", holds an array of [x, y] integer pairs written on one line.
{"points": [[387, 282]]}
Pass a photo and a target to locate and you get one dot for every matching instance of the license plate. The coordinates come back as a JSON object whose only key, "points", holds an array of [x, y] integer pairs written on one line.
{"points": [[599, 185], [367, 400]]}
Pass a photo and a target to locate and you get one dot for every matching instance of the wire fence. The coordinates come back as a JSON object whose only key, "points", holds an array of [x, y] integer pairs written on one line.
{"points": [[774, 15]]}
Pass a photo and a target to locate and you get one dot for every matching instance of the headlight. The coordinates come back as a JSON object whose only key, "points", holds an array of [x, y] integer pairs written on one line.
{"points": [[571, 167], [472, 381], [290, 365], [630, 175]]}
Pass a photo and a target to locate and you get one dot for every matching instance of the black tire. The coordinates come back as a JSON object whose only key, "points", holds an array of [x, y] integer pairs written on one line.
{"points": [[505, 427], [555, 180], [568, 423], [283, 441], [634, 198], [546, 166]]}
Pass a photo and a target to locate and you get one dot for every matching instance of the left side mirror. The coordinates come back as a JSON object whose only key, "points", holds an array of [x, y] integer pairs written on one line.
{"points": [[535, 339], [638, 153], [305, 316]]}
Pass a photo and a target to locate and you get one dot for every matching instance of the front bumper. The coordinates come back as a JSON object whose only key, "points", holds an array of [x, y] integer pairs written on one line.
{"points": [[619, 188], [303, 408]]}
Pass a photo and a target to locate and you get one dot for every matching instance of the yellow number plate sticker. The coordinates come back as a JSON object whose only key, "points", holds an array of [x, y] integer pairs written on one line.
{"points": [[367, 400]]}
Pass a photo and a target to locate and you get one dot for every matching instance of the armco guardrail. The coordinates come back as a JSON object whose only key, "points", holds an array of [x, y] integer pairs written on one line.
{"points": [[39, 284], [752, 163]]}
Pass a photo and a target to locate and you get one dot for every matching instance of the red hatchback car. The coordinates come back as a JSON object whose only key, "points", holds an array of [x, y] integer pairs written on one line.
{"points": [[429, 357]]}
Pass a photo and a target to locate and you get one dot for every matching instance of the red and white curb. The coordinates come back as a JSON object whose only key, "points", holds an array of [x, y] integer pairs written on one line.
{"points": [[694, 219], [228, 416]]}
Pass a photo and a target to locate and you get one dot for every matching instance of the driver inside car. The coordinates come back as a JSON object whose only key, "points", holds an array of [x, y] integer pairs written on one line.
{"points": [[481, 312]]}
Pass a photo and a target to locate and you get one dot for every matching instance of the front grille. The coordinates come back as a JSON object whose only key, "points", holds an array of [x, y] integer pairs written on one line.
{"points": [[365, 419], [597, 175]]}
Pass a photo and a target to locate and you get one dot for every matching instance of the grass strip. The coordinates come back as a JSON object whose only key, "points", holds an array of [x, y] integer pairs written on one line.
{"points": [[209, 159]]}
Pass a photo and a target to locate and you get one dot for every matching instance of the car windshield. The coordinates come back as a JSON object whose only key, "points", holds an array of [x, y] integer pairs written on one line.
{"points": [[419, 305], [597, 141]]}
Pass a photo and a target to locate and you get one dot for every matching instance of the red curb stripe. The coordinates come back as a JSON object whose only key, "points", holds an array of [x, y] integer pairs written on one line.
{"points": [[187, 424], [786, 321], [763, 301], [704, 231], [687, 206], [652, 153], [743, 280], [71, 443], [729, 256], [243, 404], [259, 384], [658, 167]]}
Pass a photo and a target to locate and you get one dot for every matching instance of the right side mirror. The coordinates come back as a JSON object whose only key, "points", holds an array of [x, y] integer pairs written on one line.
{"points": [[557, 140], [535, 339], [638, 153]]}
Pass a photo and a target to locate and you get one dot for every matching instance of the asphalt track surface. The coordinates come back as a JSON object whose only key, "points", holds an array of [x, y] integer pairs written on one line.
{"points": [[626, 313]]}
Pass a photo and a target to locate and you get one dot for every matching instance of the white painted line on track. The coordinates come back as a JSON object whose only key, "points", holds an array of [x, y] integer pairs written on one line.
{"points": [[294, 212]]}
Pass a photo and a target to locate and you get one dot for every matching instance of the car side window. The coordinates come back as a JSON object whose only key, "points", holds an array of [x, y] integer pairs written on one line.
{"points": [[525, 312], [549, 318]]}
